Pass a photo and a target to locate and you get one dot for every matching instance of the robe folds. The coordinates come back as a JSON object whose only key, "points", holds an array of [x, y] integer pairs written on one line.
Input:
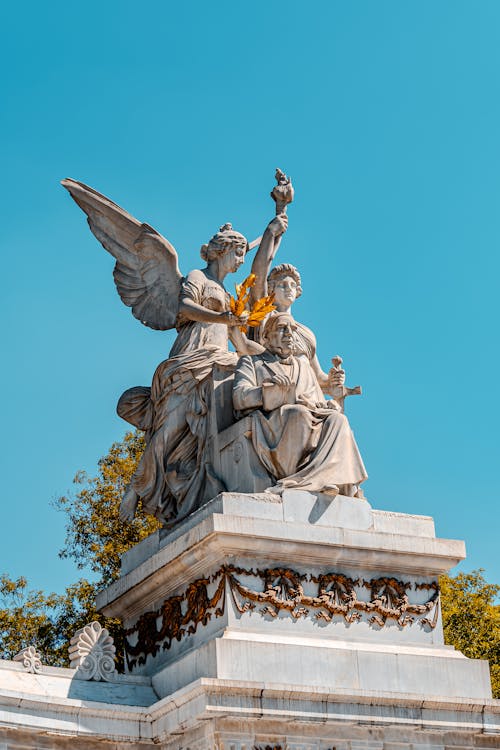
{"points": [[175, 474], [305, 445]]}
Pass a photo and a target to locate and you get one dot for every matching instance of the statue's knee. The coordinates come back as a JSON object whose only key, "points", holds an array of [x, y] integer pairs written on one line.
{"points": [[338, 418]]}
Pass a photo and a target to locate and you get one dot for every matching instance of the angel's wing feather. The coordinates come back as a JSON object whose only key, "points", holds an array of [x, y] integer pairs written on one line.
{"points": [[146, 273]]}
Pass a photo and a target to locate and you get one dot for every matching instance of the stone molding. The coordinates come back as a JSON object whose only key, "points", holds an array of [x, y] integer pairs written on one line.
{"points": [[206, 544], [229, 714], [277, 590]]}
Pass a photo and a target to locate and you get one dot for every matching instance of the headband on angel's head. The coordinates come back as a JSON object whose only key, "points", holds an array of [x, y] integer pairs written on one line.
{"points": [[225, 238]]}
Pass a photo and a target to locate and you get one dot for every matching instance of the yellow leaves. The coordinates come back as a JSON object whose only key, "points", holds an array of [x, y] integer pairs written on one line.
{"points": [[241, 289], [471, 619], [95, 536], [260, 308], [239, 305]]}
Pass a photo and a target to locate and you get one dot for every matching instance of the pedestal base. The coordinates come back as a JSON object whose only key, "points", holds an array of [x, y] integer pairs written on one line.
{"points": [[311, 590], [266, 623], [42, 712]]}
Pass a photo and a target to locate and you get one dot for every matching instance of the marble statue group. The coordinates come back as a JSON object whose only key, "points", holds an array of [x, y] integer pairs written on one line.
{"points": [[262, 418]]}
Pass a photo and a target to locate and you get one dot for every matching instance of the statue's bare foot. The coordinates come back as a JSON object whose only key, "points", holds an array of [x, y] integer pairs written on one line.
{"points": [[331, 490], [128, 505]]}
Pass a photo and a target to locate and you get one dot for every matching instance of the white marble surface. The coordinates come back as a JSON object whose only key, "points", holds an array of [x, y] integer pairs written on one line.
{"points": [[55, 683], [216, 714], [329, 665], [311, 535], [249, 680], [295, 505], [340, 512], [220, 532]]}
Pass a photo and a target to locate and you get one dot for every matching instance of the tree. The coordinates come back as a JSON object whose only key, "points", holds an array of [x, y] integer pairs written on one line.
{"points": [[95, 536], [95, 539], [471, 619], [46, 621], [25, 617]]}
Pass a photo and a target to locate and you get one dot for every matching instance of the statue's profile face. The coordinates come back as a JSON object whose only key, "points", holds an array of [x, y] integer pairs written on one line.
{"points": [[285, 292], [233, 258], [280, 338]]}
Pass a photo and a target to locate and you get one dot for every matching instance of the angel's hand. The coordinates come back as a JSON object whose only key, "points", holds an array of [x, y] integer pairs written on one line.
{"points": [[231, 320], [278, 225]]}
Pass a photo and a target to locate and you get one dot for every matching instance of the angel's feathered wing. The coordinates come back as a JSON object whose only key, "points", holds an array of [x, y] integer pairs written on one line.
{"points": [[146, 273]]}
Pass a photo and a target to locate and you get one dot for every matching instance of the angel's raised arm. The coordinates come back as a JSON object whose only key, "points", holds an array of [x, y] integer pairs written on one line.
{"points": [[264, 256], [282, 194], [146, 273]]}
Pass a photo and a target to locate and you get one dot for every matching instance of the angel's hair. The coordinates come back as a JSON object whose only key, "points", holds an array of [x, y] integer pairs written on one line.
{"points": [[279, 272], [226, 238]]}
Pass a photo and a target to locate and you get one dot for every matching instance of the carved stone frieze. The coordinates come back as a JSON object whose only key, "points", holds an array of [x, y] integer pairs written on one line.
{"points": [[179, 615], [274, 591]]}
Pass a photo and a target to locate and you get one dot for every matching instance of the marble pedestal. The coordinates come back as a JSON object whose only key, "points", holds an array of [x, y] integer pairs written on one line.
{"points": [[325, 593], [267, 623]]}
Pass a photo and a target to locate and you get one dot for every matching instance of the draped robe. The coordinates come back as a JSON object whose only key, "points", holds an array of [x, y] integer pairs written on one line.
{"points": [[305, 444], [175, 474]]}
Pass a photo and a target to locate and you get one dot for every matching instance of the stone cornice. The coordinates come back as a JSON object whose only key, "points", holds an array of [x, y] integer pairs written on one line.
{"points": [[214, 699], [219, 537]]}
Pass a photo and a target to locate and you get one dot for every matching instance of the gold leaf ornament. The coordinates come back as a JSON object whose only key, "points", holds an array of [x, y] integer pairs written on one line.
{"points": [[260, 308]]}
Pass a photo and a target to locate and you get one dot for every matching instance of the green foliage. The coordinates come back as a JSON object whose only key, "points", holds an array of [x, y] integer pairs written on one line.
{"points": [[76, 608], [95, 536], [471, 619], [95, 539], [25, 617], [46, 621]]}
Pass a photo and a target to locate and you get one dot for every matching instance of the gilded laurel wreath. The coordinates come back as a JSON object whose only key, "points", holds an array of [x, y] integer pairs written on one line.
{"points": [[259, 309]]}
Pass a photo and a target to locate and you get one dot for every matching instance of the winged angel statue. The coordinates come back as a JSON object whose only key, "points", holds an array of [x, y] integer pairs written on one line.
{"points": [[175, 474]]}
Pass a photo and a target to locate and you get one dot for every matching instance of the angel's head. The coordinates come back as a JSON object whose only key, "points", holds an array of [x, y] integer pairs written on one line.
{"points": [[285, 284], [227, 246]]}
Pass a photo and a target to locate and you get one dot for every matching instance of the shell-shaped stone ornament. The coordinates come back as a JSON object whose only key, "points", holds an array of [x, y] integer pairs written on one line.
{"points": [[92, 653], [30, 659]]}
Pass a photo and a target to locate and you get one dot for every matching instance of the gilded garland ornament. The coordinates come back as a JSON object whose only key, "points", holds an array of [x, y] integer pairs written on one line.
{"points": [[278, 590]]}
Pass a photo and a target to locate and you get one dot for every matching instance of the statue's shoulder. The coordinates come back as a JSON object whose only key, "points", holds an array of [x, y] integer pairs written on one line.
{"points": [[196, 284], [197, 275], [256, 360], [246, 360], [249, 362]]}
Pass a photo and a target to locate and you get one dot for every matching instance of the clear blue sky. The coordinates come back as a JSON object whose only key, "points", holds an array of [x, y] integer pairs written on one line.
{"points": [[387, 116]]}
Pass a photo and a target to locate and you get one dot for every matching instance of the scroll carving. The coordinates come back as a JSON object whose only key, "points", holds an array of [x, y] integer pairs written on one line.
{"points": [[30, 659], [180, 616], [273, 591], [92, 653]]}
